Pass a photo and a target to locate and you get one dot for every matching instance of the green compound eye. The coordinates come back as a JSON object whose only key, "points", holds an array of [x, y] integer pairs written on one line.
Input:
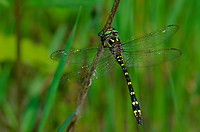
{"points": [[107, 32], [115, 31]]}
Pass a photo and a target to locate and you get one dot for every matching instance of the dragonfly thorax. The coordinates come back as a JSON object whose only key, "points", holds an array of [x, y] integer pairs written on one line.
{"points": [[115, 46]]}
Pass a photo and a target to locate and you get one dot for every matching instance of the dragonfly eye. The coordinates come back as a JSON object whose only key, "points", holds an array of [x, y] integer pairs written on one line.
{"points": [[114, 31], [107, 32]]}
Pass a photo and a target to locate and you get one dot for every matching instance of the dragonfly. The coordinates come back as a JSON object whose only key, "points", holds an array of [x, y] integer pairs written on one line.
{"points": [[136, 52]]}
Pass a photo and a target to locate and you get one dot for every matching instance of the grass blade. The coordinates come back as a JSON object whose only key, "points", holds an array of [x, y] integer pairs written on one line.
{"points": [[54, 85], [174, 98], [65, 123], [4, 104]]}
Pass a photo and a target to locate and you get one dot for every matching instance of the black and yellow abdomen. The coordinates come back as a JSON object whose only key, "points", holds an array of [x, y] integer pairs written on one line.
{"points": [[115, 46], [134, 102]]}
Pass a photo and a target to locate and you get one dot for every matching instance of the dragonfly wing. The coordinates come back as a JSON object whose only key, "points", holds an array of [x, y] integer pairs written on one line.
{"points": [[152, 39], [147, 58], [75, 76], [105, 65], [75, 56]]}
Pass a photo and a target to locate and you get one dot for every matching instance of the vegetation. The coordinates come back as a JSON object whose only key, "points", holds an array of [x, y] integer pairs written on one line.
{"points": [[168, 93]]}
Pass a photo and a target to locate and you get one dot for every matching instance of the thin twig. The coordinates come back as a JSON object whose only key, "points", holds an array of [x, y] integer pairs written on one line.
{"points": [[87, 79], [18, 73], [112, 15]]}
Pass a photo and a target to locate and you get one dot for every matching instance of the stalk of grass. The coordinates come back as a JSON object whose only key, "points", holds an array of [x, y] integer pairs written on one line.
{"points": [[174, 98], [54, 85], [90, 72], [58, 37], [4, 104], [66, 122]]}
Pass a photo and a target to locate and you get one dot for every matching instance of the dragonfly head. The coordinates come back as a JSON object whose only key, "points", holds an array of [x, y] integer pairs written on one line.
{"points": [[110, 31], [106, 35]]}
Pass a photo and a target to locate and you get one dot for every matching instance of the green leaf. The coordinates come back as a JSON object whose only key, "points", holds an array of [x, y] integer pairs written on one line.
{"points": [[30, 115], [5, 3], [65, 123], [54, 85]]}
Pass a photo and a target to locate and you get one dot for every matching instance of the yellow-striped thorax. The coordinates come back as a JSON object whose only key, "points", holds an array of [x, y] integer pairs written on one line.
{"points": [[110, 36], [111, 40]]}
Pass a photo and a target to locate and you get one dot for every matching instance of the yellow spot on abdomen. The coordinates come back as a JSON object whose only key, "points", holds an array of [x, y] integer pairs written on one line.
{"points": [[132, 93], [118, 57], [126, 73], [139, 112], [129, 83], [135, 112]]}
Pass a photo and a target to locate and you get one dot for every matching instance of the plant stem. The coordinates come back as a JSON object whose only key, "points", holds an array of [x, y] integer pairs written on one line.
{"points": [[87, 79], [18, 73]]}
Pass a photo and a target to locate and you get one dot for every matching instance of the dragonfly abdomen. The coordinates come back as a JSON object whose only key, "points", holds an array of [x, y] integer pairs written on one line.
{"points": [[116, 49], [134, 102]]}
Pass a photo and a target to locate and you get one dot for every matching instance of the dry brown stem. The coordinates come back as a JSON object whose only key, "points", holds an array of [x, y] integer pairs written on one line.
{"points": [[87, 79]]}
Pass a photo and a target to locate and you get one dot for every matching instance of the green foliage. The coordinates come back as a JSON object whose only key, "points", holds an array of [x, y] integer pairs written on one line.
{"points": [[63, 3], [54, 85], [65, 123], [168, 93]]}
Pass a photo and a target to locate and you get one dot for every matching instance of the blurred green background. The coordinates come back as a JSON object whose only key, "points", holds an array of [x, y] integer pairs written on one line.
{"points": [[168, 93]]}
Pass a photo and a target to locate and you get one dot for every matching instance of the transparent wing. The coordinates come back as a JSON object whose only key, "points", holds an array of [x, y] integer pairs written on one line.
{"points": [[106, 65], [75, 56], [152, 39], [147, 58]]}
